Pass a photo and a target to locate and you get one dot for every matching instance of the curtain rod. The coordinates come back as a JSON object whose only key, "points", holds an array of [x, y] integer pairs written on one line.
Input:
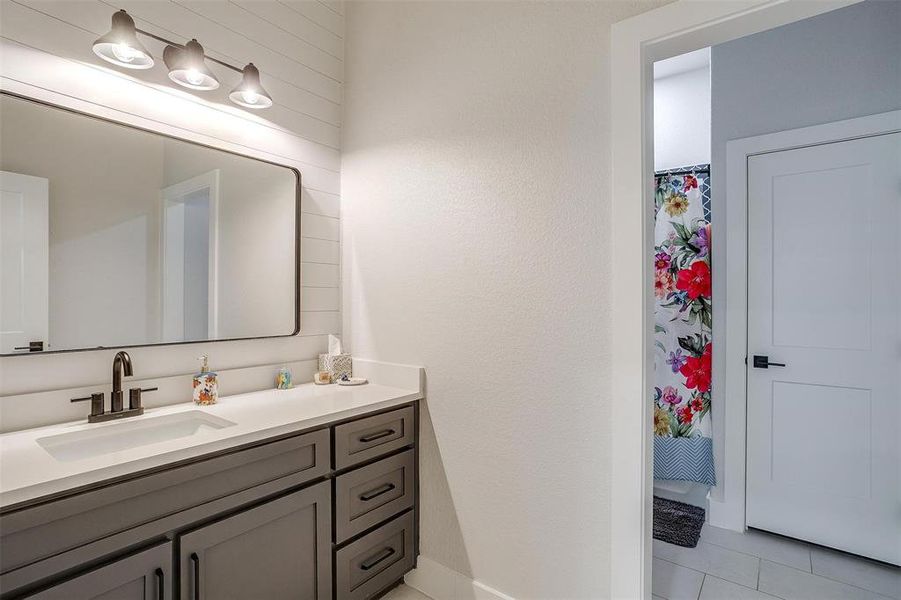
{"points": [[685, 170]]}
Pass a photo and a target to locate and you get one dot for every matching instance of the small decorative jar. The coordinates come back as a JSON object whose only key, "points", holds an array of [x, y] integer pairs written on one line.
{"points": [[283, 379], [337, 365]]}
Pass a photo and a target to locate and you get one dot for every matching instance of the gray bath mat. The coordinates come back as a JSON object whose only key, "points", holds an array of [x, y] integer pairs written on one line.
{"points": [[677, 523]]}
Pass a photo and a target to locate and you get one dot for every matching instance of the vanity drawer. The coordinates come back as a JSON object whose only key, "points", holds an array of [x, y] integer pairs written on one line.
{"points": [[375, 561], [30, 534], [368, 438], [369, 495]]}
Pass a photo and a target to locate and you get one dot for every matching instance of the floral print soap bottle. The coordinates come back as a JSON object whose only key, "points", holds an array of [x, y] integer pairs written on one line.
{"points": [[206, 384]]}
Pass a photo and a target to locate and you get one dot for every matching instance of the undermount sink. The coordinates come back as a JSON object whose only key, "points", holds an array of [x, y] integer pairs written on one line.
{"points": [[87, 443]]}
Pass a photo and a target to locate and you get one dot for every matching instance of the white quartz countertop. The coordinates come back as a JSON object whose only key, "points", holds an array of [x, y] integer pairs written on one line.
{"points": [[28, 471]]}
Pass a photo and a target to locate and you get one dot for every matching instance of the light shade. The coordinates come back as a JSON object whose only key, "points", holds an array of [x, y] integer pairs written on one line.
{"points": [[121, 46], [249, 93], [187, 67]]}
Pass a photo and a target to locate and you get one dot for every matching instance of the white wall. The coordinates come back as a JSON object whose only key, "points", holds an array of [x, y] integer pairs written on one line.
{"points": [[298, 46], [835, 66], [255, 227], [102, 221], [682, 119], [476, 224]]}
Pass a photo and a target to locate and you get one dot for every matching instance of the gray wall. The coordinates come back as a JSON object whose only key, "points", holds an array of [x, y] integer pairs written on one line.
{"points": [[840, 65]]}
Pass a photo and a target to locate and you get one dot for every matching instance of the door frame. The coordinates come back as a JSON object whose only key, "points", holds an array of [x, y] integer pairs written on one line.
{"points": [[38, 252], [174, 193], [730, 512], [636, 43]]}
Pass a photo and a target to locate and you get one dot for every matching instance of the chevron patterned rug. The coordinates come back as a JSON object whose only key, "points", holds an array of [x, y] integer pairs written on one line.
{"points": [[677, 523]]}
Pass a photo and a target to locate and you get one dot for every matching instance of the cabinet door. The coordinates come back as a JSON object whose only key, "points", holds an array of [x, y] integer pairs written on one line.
{"points": [[280, 549], [146, 575]]}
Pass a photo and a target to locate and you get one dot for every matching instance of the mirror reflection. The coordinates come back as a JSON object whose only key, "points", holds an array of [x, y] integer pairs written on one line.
{"points": [[114, 236]]}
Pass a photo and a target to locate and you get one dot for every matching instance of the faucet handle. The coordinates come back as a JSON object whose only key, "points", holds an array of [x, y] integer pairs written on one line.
{"points": [[134, 397], [96, 402]]}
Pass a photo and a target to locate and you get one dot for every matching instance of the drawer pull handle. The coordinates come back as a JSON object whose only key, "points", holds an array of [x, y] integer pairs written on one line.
{"points": [[160, 584], [195, 564], [384, 489], [377, 435], [376, 559]]}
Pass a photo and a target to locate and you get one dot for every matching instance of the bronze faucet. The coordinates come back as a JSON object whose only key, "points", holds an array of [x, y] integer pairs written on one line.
{"points": [[121, 366], [122, 362]]}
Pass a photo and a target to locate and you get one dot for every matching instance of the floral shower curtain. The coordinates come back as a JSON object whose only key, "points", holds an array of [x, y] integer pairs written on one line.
{"points": [[683, 448]]}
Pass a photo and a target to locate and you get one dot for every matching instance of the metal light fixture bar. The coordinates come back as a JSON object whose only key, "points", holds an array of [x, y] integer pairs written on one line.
{"points": [[186, 62], [182, 47]]}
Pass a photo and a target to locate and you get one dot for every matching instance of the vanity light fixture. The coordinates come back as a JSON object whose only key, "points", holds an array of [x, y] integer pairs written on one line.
{"points": [[188, 68], [121, 46], [249, 93], [186, 62]]}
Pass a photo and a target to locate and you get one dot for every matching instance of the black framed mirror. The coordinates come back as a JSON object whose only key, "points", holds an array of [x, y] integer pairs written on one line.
{"points": [[116, 236]]}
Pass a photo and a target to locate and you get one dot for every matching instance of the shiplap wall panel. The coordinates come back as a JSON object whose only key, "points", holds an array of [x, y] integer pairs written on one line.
{"points": [[298, 111], [232, 16], [187, 23], [336, 6], [319, 227], [297, 24], [41, 29], [94, 18], [319, 251], [45, 52], [321, 203], [320, 275], [320, 299], [320, 13]]}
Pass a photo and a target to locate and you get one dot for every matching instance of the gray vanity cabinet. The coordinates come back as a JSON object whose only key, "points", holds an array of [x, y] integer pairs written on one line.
{"points": [[328, 513], [146, 575], [280, 549]]}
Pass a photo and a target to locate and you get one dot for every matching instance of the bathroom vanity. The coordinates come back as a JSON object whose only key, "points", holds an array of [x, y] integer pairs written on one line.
{"points": [[309, 493]]}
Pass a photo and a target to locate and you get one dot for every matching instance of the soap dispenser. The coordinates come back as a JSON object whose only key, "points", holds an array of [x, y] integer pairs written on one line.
{"points": [[206, 383]]}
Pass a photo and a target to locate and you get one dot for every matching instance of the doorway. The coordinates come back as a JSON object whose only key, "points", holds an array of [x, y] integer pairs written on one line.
{"points": [[638, 42], [189, 243], [24, 263]]}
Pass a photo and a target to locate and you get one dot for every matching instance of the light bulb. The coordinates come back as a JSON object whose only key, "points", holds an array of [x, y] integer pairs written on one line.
{"points": [[194, 76], [125, 53], [121, 46], [249, 93]]}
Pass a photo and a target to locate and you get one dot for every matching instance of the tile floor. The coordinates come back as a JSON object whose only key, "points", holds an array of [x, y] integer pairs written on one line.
{"points": [[403, 592], [727, 565]]}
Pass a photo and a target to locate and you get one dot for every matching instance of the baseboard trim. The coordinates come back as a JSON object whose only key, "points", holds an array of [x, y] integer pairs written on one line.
{"points": [[437, 581], [726, 515]]}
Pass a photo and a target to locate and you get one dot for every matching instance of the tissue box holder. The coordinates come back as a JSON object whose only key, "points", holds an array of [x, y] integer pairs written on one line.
{"points": [[337, 365]]}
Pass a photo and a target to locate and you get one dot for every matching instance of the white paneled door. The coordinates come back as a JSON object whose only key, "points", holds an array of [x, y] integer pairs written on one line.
{"points": [[824, 310], [24, 256]]}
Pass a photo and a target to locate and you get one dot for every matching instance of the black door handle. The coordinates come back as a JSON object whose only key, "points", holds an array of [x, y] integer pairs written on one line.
{"points": [[382, 489], [763, 362], [160, 584], [195, 563], [376, 436], [376, 559]]}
